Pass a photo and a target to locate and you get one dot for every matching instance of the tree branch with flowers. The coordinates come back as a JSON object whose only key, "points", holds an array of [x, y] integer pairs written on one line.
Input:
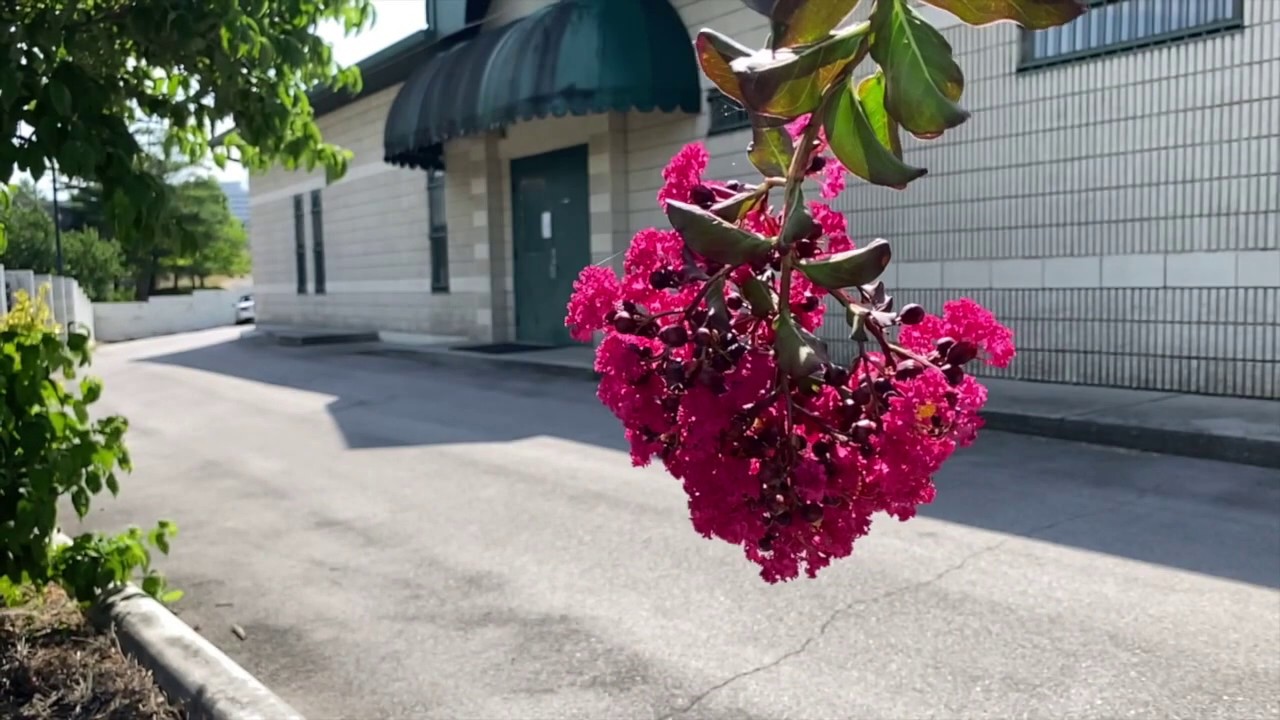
{"points": [[708, 354]]}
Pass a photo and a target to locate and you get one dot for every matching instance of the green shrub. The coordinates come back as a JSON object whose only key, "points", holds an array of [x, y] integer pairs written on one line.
{"points": [[51, 448]]}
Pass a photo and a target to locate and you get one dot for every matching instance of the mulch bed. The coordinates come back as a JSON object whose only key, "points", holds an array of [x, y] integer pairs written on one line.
{"points": [[54, 665]]}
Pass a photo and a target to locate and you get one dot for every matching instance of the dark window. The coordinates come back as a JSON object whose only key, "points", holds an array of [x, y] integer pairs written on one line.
{"points": [[726, 114], [317, 240], [439, 232], [300, 243], [1112, 26]]}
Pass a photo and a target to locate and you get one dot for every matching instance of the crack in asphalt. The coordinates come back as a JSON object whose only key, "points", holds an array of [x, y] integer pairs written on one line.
{"points": [[840, 611]]}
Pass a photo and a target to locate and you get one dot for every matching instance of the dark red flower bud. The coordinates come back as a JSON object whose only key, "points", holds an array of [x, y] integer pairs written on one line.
{"points": [[765, 543], [912, 314], [943, 345], [663, 279], [821, 449], [962, 352], [736, 352], [806, 248], [908, 369], [624, 323], [861, 395], [953, 373], [674, 336], [734, 185], [817, 164], [807, 304], [702, 337], [702, 196], [836, 376], [783, 518], [734, 302], [811, 513], [883, 386]]}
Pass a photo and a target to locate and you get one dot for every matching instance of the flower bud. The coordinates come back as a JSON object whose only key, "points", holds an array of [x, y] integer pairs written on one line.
{"points": [[953, 373], [734, 185], [674, 336], [736, 352], [806, 248], [817, 164], [882, 386], [821, 449], [734, 302], [908, 369], [765, 543], [943, 345], [702, 196], [811, 513], [962, 352], [663, 279], [702, 337], [836, 375], [624, 323]]}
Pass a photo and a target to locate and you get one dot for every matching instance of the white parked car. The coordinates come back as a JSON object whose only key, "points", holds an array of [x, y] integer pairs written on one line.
{"points": [[245, 312]]}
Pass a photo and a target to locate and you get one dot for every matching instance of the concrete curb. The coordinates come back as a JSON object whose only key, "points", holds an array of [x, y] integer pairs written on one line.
{"points": [[189, 669], [1166, 441]]}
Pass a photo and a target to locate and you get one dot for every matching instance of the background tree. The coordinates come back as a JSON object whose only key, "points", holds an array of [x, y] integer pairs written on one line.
{"points": [[77, 76], [208, 239], [97, 263]]}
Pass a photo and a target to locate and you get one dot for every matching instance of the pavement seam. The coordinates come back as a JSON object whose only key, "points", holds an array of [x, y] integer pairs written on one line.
{"points": [[840, 611]]}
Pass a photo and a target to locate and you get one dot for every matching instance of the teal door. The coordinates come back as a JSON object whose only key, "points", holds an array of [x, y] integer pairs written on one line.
{"points": [[551, 233]]}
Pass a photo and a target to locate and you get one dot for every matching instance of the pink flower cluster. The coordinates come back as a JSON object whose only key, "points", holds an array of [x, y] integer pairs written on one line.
{"points": [[792, 471]]}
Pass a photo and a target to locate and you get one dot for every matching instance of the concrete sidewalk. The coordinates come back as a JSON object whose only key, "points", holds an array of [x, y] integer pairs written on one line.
{"points": [[1215, 428]]}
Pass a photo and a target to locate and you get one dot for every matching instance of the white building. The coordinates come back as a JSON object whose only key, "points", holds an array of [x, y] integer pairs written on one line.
{"points": [[1114, 197]]}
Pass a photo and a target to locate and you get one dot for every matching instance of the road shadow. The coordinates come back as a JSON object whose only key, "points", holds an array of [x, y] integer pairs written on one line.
{"points": [[1203, 516]]}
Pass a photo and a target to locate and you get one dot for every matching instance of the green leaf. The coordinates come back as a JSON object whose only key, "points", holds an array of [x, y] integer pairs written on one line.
{"points": [[733, 209], [864, 137], [804, 22], [923, 83], [713, 238], [716, 52], [80, 501], [1032, 14], [799, 353], [771, 148], [799, 223], [849, 268], [171, 597], [759, 297], [152, 585], [788, 83], [60, 96]]}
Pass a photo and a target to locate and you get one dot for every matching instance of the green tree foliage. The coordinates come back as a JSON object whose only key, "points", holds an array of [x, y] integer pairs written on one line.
{"points": [[53, 450], [77, 76], [95, 262], [209, 240]]}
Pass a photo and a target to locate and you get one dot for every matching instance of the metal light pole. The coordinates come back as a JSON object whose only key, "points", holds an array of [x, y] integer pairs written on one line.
{"points": [[57, 220]]}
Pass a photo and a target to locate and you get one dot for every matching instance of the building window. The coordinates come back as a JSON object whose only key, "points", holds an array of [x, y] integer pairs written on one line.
{"points": [[439, 232], [1112, 26], [726, 114], [317, 240], [300, 244]]}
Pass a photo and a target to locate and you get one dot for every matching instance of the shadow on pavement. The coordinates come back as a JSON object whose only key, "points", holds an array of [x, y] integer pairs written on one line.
{"points": [[1207, 517]]}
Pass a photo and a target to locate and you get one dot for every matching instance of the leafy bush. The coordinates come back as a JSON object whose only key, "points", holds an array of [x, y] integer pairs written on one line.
{"points": [[50, 449]]}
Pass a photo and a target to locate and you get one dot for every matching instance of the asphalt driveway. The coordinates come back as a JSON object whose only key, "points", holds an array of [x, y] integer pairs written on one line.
{"points": [[401, 541]]}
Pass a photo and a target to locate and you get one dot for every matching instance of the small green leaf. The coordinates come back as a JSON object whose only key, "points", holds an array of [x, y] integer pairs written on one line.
{"points": [[1032, 14], [171, 597], [771, 148], [716, 52], [152, 585], [799, 353], [788, 83], [799, 223], [864, 137], [713, 238], [923, 83], [60, 96], [735, 208], [804, 22], [849, 268], [80, 501], [759, 297]]}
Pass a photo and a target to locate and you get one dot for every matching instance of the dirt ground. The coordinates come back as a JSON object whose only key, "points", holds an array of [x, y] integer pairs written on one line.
{"points": [[55, 666]]}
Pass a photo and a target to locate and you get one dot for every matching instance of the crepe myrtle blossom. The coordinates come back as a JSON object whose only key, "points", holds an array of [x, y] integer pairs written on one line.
{"points": [[792, 470]]}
